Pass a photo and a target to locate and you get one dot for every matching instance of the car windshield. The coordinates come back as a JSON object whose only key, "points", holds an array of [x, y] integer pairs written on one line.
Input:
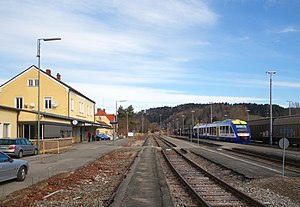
{"points": [[7, 141], [241, 128]]}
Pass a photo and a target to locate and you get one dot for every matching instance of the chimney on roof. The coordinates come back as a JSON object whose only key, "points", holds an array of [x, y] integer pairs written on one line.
{"points": [[48, 71], [58, 76]]}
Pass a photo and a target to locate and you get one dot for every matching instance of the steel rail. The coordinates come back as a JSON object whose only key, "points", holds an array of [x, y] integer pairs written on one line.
{"points": [[195, 194], [235, 192]]}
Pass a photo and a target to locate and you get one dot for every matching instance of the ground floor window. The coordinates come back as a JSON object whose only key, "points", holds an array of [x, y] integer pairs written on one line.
{"points": [[4, 130]]}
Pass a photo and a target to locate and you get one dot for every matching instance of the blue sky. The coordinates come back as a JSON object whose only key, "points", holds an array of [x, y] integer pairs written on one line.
{"points": [[159, 52]]}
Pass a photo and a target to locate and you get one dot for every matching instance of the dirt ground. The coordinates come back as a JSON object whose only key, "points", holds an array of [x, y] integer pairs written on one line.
{"points": [[288, 186], [92, 185]]}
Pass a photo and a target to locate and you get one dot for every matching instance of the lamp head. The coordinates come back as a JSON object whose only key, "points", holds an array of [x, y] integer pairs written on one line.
{"points": [[51, 39], [271, 72]]}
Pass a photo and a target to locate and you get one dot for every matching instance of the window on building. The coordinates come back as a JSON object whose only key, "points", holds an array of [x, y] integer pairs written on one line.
{"points": [[36, 82], [19, 102], [72, 104], [30, 82], [47, 103], [33, 82], [81, 107], [6, 130]]}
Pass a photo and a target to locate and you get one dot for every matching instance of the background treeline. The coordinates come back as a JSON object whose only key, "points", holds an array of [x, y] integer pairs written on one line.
{"points": [[169, 118]]}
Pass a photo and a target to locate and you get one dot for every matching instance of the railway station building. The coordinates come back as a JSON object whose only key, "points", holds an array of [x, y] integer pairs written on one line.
{"points": [[64, 111]]}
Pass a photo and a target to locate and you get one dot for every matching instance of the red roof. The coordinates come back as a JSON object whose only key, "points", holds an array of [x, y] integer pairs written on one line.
{"points": [[111, 117], [101, 112]]}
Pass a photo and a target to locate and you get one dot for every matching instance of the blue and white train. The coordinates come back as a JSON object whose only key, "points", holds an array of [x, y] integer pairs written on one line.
{"points": [[229, 130]]}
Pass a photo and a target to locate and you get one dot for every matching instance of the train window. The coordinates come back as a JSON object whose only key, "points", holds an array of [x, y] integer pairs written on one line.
{"points": [[223, 129], [231, 130], [241, 128], [214, 130]]}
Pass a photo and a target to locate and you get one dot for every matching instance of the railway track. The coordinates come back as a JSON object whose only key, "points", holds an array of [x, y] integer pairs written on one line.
{"points": [[207, 189]]}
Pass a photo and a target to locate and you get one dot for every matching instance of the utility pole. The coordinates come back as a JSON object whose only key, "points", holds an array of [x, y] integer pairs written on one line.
{"points": [[271, 113]]}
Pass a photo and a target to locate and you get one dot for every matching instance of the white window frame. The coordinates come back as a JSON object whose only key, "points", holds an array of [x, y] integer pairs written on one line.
{"points": [[72, 104], [81, 107], [17, 102], [47, 105], [2, 130], [32, 82]]}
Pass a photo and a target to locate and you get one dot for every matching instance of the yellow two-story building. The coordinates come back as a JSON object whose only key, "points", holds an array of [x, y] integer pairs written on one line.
{"points": [[64, 111]]}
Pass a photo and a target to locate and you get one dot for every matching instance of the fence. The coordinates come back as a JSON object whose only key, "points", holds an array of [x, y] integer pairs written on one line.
{"points": [[54, 145]]}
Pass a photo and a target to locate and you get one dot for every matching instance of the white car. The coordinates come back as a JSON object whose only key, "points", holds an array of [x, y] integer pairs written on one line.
{"points": [[12, 168]]}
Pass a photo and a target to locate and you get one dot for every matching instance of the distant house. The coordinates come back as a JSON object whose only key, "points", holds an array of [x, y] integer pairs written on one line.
{"points": [[64, 111], [104, 119]]}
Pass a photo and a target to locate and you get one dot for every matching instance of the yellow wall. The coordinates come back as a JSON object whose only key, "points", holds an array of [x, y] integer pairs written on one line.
{"points": [[26, 116], [88, 107], [49, 87], [9, 118]]}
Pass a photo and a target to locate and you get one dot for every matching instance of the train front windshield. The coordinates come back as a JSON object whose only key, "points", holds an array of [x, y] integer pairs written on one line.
{"points": [[241, 128]]}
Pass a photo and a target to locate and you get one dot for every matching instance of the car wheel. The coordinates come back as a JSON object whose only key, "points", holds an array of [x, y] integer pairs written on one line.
{"points": [[20, 154], [21, 174], [35, 152]]}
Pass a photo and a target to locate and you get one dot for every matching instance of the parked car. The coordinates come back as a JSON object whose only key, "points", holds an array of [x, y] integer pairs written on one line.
{"points": [[18, 147], [12, 169], [102, 137]]}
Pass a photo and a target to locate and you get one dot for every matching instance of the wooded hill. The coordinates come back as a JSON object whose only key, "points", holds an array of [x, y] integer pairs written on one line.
{"points": [[173, 117]]}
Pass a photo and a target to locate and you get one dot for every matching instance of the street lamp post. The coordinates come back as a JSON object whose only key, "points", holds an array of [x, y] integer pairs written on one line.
{"points": [[39, 83], [248, 118], [116, 121], [160, 122], [270, 72], [182, 124], [290, 110], [127, 130], [192, 129], [177, 126], [211, 118], [142, 121]]}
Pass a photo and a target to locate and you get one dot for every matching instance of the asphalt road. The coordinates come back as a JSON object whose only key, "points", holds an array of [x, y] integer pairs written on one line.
{"points": [[44, 166]]}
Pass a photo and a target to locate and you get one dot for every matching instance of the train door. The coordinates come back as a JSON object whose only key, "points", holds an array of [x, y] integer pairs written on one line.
{"points": [[217, 132]]}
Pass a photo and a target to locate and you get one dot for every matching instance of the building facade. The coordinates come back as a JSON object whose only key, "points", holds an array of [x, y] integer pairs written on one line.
{"points": [[104, 119], [64, 111]]}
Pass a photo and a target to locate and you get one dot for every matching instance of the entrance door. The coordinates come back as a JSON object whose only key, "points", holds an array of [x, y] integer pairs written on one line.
{"points": [[28, 131]]}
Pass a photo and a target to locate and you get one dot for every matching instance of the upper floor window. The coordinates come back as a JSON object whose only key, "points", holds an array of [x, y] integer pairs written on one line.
{"points": [[19, 102], [81, 107], [33, 82], [72, 104], [91, 111], [47, 103]]}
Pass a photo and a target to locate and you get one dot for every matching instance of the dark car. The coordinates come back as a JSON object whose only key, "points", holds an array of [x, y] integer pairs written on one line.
{"points": [[12, 169], [18, 147], [102, 137]]}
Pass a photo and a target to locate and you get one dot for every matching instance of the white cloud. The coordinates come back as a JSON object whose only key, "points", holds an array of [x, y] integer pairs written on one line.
{"points": [[288, 29], [168, 13]]}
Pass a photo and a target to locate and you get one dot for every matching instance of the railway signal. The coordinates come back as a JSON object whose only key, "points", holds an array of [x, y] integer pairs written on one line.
{"points": [[283, 144]]}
